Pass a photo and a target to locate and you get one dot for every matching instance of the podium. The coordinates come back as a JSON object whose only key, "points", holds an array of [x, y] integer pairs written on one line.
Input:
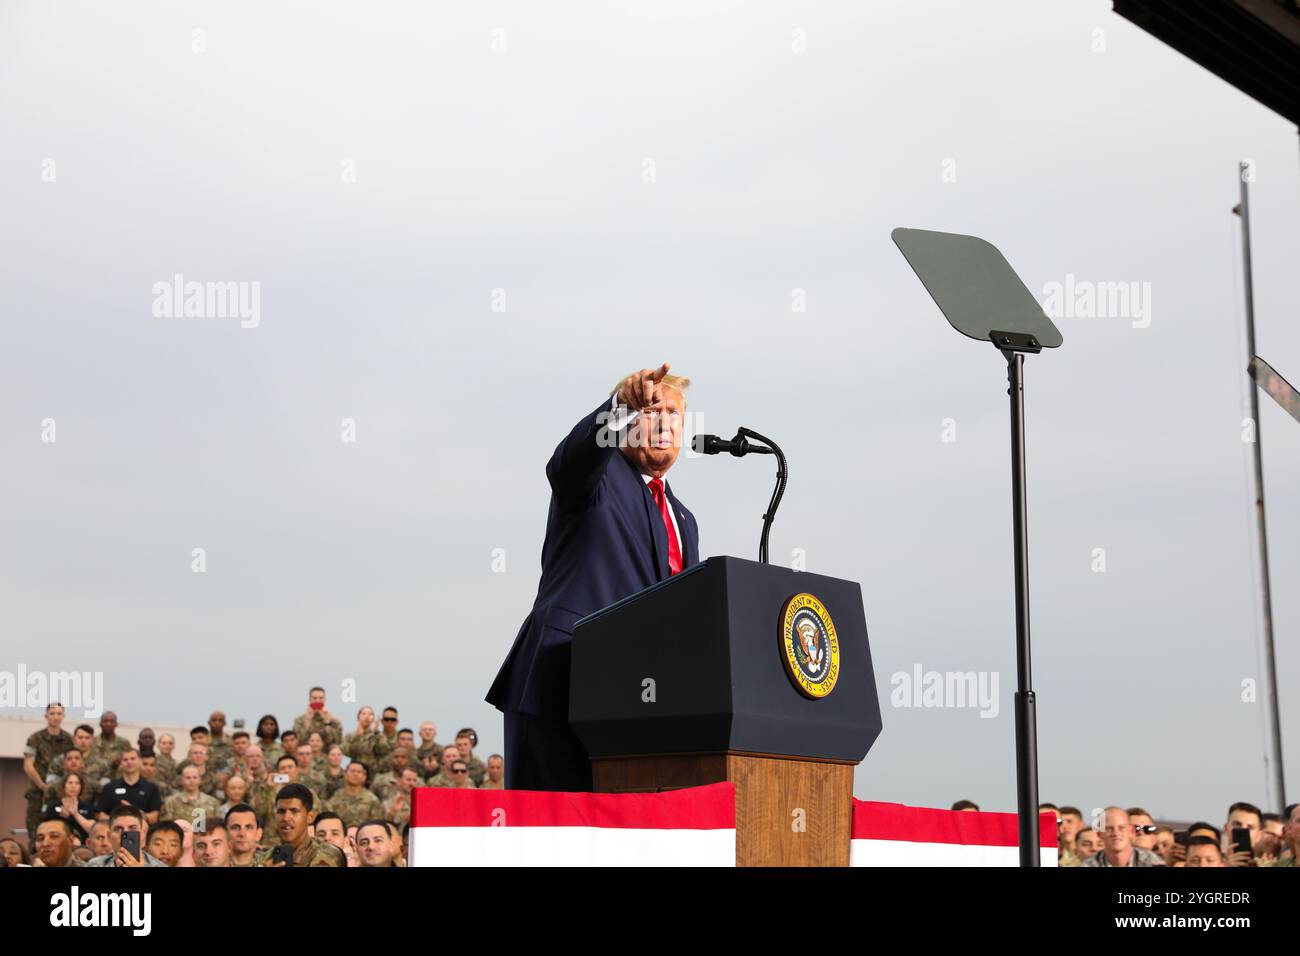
{"points": [[735, 671]]}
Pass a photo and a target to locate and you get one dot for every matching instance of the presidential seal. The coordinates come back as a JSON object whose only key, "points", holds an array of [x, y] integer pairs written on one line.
{"points": [[809, 646]]}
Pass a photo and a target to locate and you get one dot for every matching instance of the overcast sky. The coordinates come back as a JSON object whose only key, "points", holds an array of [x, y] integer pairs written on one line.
{"points": [[643, 182]]}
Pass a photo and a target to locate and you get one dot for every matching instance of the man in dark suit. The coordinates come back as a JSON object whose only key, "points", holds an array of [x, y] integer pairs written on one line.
{"points": [[614, 528]]}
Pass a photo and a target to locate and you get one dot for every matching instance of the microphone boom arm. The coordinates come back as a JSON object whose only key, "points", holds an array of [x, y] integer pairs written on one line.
{"points": [[782, 474]]}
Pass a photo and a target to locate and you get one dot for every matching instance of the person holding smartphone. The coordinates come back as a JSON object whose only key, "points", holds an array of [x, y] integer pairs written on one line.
{"points": [[126, 837], [294, 813]]}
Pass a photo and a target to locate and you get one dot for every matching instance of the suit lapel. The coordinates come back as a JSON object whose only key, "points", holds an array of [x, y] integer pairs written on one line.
{"points": [[654, 521]]}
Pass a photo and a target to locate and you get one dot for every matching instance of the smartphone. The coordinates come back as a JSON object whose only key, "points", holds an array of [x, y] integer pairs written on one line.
{"points": [[1180, 837], [282, 854], [131, 842], [279, 778], [1241, 839]]}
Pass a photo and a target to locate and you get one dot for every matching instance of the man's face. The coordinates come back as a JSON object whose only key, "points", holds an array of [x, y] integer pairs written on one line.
{"points": [[408, 780], [1070, 825], [53, 844], [355, 775], [449, 755], [291, 820], [217, 723], [459, 774], [406, 739], [374, 846], [428, 732], [82, 740], [496, 768], [1146, 841], [336, 756], [245, 834], [190, 778], [73, 760], [654, 440], [1246, 820], [108, 723], [400, 759], [241, 746], [289, 742], [390, 722], [98, 840], [146, 739], [1291, 832], [254, 759], [165, 845], [130, 763], [317, 697], [148, 766], [212, 848], [463, 747], [54, 716], [289, 767], [331, 831], [1275, 827], [198, 753], [119, 826], [1204, 854], [1118, 834], [304, 758], [1087, 843], [1164, 844]]}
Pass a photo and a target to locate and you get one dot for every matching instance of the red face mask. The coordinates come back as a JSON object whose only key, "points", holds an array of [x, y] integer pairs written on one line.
{"points": [[318, 705]]}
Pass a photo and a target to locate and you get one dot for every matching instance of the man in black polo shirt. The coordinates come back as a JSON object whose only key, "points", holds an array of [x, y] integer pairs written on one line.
{"points": [[130, 789]]}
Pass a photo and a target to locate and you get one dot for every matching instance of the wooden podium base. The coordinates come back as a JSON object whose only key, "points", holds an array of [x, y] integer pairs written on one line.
{"points": [[790, 811]]}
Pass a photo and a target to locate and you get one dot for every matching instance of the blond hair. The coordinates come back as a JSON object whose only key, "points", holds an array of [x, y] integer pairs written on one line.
{"points": [[679, 382]]}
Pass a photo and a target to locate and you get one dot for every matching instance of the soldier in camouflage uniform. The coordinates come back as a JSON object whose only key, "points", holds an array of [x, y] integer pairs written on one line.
{"points": [[149, 771], [190, 803], [220, 748], [108, 744], [397, 808], [366, 743], [95, 769], [318, 720], [166, 762], [42, 747], [443, 777], [466, 741], [210, 779], [334, 772], [496, 773], [388, 725], [426, 756], [354, 802], [385, 785], [293, 817], [307, 775]]}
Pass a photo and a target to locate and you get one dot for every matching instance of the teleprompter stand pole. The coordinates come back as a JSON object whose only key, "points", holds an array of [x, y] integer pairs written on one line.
{"points": [[1013, 347]]}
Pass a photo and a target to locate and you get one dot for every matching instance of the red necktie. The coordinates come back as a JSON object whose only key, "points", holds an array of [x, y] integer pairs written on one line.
{"points": [[674, 548]]}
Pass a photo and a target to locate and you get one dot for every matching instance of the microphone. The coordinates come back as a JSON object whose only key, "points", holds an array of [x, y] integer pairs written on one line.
{"points": [[738, 446], [741, 446]]}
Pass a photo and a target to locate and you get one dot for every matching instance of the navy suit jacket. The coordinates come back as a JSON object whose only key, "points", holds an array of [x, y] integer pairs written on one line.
{"points": [[605, 540]]}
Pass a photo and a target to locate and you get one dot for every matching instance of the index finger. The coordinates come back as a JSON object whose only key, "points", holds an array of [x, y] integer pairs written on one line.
{"points": [[659, 373]]}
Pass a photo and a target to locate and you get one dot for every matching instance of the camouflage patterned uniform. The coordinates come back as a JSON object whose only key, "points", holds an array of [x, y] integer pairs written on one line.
{"points": [[313, 852], [417, 758], [96, 772], [331, 731], [385, 785], [110, 750], [208, 782], [180, 806], [259, 855], [220, 753], [477, 770], [166, 769], [44, 747], [386, 762], [334, 784], [370, 748], [439, 780], [355, 808], [397, 808], [313, 781], [489, 785]]}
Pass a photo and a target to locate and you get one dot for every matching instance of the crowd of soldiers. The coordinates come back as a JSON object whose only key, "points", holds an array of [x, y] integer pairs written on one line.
{"points": [[311, 795], [1119, 836]]}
